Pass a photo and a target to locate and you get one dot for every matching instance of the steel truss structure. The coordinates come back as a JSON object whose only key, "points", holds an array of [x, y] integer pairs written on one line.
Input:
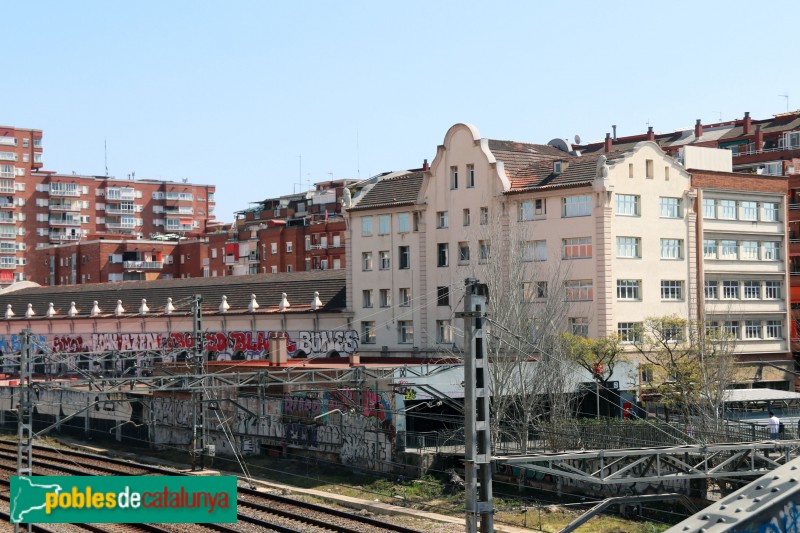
{"points": [[698, 461]]}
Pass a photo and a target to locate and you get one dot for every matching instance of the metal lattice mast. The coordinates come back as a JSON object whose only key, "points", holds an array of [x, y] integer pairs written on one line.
{"points": [[25, 414], [477, 451], [198, 369]]}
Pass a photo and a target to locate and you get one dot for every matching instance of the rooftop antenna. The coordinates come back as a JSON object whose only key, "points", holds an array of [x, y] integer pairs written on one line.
{"points": [[720, 115], [358, 156], [787, 100], [299, 183], [105, 154]]}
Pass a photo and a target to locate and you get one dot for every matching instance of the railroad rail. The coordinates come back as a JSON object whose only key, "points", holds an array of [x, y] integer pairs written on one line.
{"points": [[257, 511]]}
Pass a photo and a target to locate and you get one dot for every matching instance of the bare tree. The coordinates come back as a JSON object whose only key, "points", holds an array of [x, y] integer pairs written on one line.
{"points": [[531, 380], [693, 365]]}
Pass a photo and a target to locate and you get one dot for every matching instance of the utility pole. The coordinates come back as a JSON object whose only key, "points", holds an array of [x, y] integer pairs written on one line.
{"points": [[477, 450], [198, 369], [25, 414]]}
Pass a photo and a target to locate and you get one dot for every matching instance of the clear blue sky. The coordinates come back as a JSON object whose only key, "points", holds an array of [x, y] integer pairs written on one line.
{"points": [[231, 93]]}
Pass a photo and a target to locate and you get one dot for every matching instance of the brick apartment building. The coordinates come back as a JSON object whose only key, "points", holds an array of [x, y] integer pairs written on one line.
{"points": [[39, 208], [292, 233], [101, 260], [766, 146]]}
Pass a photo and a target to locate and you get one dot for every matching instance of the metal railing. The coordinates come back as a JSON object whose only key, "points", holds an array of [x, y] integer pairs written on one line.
{"points": [[143, 264]]}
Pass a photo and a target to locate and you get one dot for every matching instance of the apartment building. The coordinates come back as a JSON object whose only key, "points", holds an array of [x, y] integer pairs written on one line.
{"points": [[101, 260], [39, 208], [626, 226], [292, 233], [768, 146]]}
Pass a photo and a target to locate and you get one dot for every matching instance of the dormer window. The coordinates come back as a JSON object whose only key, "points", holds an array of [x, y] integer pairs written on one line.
{"points": [[557, 167]]}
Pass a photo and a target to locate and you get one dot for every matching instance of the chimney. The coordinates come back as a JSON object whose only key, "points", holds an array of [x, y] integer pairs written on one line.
{"points": [[277, 349], [608, 142], [425, 165], [650, 135], [614, 129], [759, 138], [746, 123], [698, 129]]}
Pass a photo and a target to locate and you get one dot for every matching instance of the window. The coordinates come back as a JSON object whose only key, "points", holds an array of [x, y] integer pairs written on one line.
{"points": [[648, 168], [629, 247], [731, 328], [485, 249], [289, 268], [441, 219], [484, 215], [671, 289], [525, 211], [534, 290], [772, 290], [273, 247], [463, 253], [727, 209], [442, 259], [730, 290], [769, 212], [578, 290], [470, 176], [774, 329], [442, 296], [629, 289], [444, 331], [366, 226], [752, 329], [366, 261], [403, 223], [751, 290], [383, 260], [646, 373], [466, 217], [541, 290], [670, 207], [671, 249], [534, 251], [728, 250], [748, 250], [368, 332], [709, 248], [712, 290], [577, 248], [579, 326], [628, 332], [709, 208], [405, 329], [384, 224], [366, 298], [385, 296], [405, 297], [748, 211], [577, 206], [771, 251], [404, 257], [7, 171], [453, 178], [628, 204]]}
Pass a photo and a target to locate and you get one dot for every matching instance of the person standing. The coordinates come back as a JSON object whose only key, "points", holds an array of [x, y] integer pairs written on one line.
{"points": [[774, 426]]}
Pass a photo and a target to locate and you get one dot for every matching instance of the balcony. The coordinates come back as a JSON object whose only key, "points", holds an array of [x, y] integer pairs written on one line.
{"points": [[64, 237], [7, 218], [120, 210], [9, 266], [144, 265], [120, 225], [179, 211], [5, 189], [71, 206], [120, 194], [65, 221], [64, 192]]}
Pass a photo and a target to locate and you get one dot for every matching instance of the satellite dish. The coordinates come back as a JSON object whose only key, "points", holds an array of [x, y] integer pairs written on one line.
{"points": [[577, 139]]}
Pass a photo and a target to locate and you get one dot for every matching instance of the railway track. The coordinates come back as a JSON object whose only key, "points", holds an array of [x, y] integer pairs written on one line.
{"points": [[257, 511]]}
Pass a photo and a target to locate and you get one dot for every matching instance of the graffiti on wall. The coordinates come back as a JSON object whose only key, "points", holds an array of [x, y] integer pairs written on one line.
{"points": [[112, 351], [787, 520]]}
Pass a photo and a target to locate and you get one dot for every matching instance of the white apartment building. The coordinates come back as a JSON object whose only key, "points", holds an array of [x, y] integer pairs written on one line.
{"points": [[637, 233]]}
